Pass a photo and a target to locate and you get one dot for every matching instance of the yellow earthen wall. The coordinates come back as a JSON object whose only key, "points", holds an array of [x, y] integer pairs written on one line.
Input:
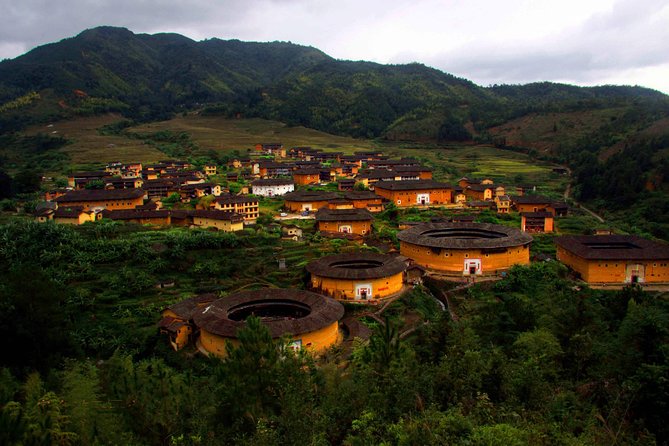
{"points": [[408, 198], [454, 262], [129, 203], [223, 225], [613, 271], [315, 341], [296, 206], [357, 227], [345, 289]]}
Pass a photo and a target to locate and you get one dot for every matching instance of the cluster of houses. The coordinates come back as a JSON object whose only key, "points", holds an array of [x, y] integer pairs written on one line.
{"points": [[367, 183]]}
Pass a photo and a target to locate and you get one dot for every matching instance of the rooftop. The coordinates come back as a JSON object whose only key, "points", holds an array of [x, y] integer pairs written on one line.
{"points": [[464, 236], [283, 311], [613, 247], [100, 194], [309, 195], [412, 185], [355, 266], [343, 215]]}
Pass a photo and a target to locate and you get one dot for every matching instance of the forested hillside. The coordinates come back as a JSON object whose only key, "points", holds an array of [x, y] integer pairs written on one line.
{"points": [[152, 77]]}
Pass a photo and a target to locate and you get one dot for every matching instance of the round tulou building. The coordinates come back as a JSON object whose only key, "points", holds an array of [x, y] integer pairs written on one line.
{"points": [[311, 320], [357, 276], [465, 248]]}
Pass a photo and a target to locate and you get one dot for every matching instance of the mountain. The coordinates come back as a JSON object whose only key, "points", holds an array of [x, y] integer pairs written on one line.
{"points": [[150, 76]]}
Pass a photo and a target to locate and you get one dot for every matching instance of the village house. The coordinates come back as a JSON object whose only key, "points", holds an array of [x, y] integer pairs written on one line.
{"points": [[340, 203], [190, 191], [291, 232], [55, 193], [304, 177], [412, 172], [161, 188], [531, 203], [124, 183], [370, 177], [241, 204], [534, 222], [345, 184], [177, 319], [272, 187], [346, 221], [79, 180], [465, 182], [365, 199], [615, 259], [480, 192], [221, 220], [503, 204], [391, 163], [157, 217], [210, 169], [480, 205], [300, 201], [74, 215], [102, 198], [272, 169], [459, 196], [273, 148], [414, 193]]}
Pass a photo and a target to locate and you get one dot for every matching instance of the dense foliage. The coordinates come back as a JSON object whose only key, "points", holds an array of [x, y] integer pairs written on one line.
{"points": [[530, 360]]}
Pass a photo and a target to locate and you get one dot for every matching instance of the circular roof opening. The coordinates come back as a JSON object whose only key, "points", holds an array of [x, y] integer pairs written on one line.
{"points": [[463, 233], [269, 310], [356, 264]]}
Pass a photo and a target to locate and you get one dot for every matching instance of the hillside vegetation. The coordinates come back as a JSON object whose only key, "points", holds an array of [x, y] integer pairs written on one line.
{"points": [[614, 138]]}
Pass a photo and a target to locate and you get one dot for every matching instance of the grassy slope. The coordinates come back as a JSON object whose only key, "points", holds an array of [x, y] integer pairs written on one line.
{"points": [[212, 132], [449, 162], [89, 147]]}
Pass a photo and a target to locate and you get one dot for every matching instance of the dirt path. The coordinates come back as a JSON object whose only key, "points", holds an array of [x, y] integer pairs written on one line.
{"points": [[567, 193]]}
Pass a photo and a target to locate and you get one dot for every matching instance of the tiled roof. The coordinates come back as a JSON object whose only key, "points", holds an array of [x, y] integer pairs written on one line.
{"points": [[613, 247]]}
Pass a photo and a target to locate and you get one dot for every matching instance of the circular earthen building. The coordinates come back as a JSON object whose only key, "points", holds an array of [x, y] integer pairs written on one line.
{"points": [[465, 248], [357, 276], [310, 319]]}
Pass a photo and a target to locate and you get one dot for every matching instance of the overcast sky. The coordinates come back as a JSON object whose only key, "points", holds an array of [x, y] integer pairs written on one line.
{"points": [[583, 42]]}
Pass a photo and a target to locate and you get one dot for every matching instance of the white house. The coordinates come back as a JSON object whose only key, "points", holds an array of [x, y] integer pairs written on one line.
{"points": [[272, 187]]}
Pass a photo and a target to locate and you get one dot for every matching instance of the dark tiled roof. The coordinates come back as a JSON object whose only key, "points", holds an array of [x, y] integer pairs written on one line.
{"points": [[536, 214], [464, 236], [68, 212], [411, 185], [306, 196], [90, 174], [343, 215], [361, 195], [323, 311], [357, 266], [531, 199], [132, 214], [272, 182], [100, 195], [185, 308], [309, 171], [216, 215], [229, 199], [613, 247]]}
